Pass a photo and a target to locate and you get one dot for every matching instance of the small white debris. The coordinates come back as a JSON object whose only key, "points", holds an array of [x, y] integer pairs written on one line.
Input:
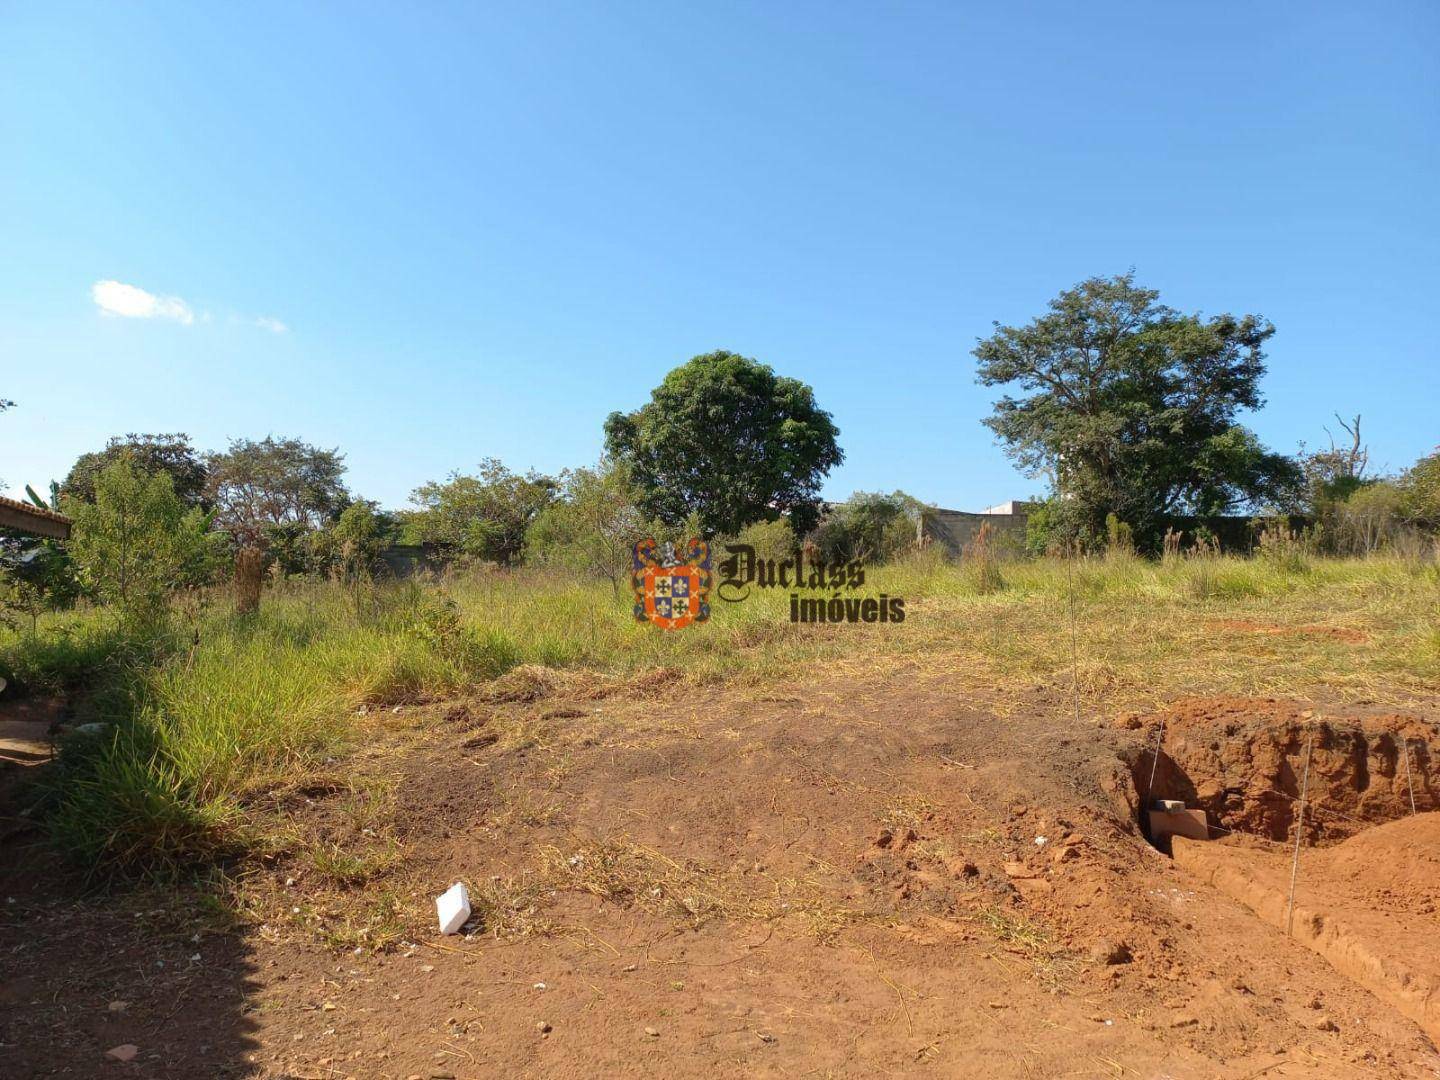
{"points": [[540, 986], [195, 959], [123, 1052], [452, 908], [1041, 841]]}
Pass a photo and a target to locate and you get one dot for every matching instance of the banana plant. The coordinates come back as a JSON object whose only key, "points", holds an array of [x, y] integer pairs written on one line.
{"points": [[53, 504]]}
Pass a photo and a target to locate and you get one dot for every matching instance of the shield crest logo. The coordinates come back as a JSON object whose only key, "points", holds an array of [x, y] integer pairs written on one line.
{"points": [[671, 592]]}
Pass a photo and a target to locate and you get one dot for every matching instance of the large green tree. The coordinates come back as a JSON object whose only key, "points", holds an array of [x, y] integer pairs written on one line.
{"points": [[1131, 407], [172, 454], [727, 440], [274, 487]]}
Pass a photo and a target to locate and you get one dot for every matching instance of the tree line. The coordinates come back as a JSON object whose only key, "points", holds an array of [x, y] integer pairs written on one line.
{"points": [[1128, 408]]}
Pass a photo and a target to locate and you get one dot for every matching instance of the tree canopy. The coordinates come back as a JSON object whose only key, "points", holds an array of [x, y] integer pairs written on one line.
{"points": [[484, 516], [592, 526], [137, 539], [1420, 487], [257, 487], [1131, 406], [171, 454], [725, 439]]}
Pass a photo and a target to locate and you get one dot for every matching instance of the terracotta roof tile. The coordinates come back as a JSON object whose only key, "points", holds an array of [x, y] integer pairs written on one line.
{"points": [[31, 508]]}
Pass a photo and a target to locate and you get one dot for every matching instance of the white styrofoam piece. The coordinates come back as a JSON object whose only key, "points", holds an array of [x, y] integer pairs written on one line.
{"points": [[453, 908]]}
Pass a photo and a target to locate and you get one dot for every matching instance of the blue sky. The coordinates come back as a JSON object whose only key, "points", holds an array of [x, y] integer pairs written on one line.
{"points": [[431, 234]]}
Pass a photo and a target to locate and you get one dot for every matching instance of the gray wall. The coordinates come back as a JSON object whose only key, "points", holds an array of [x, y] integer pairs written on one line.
{"points": [[954, 529]]}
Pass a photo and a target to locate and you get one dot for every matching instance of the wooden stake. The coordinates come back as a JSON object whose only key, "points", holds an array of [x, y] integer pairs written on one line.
{"points": [[1405, 749], [1154, 761], [1299, 830], [1074, 637]]}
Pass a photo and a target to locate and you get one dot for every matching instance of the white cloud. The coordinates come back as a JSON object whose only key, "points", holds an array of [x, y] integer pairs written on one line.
{"points": [[275, 326], [132, 302]]}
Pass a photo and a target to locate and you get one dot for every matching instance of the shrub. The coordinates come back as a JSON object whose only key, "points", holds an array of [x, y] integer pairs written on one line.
{"points": [[138, 540], [1119, 538], [485, 516], [770, 539], [869, 526], [593, 526], [1056, 525]]}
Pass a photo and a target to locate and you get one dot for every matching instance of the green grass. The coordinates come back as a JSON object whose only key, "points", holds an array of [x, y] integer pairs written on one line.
{"points": [[214, 707]]}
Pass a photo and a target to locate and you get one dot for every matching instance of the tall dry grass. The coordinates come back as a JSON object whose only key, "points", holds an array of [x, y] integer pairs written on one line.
{"points": [[213, 706]]}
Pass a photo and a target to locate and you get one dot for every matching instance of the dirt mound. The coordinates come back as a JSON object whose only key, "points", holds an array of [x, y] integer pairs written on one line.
{"points": [[1394, 867], [1366, 905], [1242, 759]]}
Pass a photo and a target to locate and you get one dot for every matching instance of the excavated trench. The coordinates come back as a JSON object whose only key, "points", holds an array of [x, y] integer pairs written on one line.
{"points": [[1242, 761], [1363, 887]]}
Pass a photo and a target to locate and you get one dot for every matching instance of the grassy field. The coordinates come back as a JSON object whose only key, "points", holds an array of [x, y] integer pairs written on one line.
{"points": [[212, 707]]}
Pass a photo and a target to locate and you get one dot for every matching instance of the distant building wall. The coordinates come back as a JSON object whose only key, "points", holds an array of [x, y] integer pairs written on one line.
{"points": [[955, 529], [407, 560], [1233, 532]]}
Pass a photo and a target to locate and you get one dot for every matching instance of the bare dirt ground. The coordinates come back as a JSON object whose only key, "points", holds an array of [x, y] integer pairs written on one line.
{"points": [[1367, 905], [859, 875]]}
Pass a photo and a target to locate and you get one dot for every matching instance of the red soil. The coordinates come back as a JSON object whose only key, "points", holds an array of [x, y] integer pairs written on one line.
{"points": [[1242, 760], [851, 876], [1367, 905], [1338, 633]]}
